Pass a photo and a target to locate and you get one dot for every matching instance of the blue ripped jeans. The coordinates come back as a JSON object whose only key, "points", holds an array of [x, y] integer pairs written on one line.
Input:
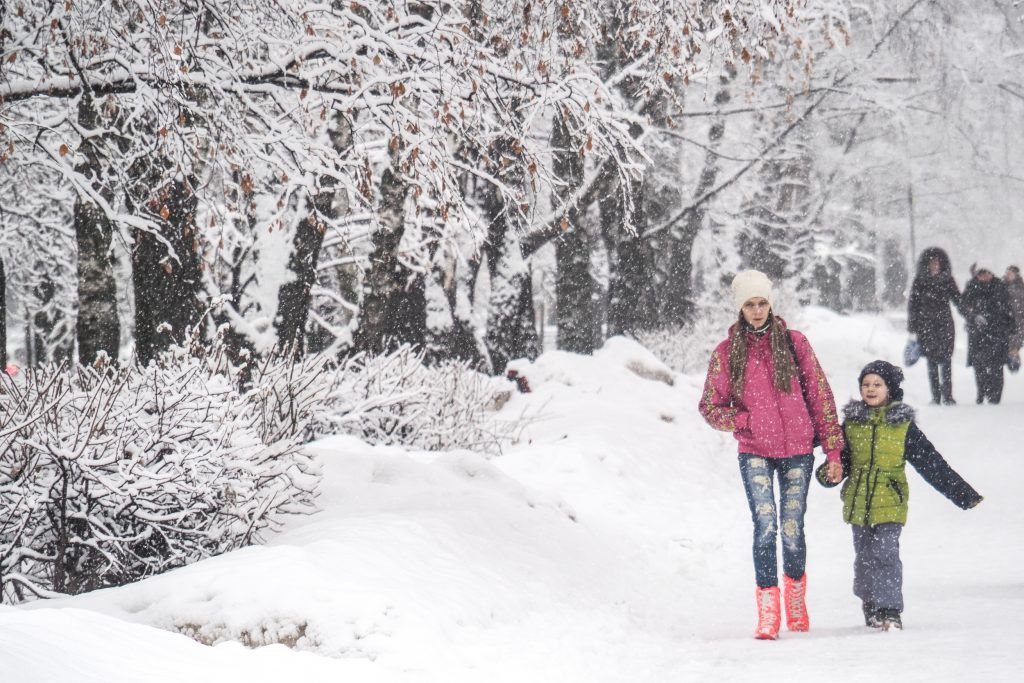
{"points": [[794, 474]]}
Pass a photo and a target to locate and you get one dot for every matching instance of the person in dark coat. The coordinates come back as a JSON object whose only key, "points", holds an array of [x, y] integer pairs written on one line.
{"points": [[986, 307], [930, 317], [1015, 289]]}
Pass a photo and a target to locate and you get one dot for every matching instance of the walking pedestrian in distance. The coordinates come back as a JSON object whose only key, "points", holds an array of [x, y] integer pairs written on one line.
{"points": [[986, 307], [930, 317]]}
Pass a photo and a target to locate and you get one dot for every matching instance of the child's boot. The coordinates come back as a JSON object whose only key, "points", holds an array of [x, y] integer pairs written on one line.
{"points": [[768, 613], [872, 617], [796, 603], [891, 620]]}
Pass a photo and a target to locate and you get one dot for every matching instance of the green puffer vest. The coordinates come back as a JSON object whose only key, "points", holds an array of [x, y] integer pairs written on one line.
{"points": [[876, 490]]}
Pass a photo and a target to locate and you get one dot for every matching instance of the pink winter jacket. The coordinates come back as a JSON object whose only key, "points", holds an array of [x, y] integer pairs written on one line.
{"points": [[765, 421]]}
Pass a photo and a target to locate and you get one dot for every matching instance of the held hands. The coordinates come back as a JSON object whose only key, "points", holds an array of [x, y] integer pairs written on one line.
{"points": [[834, 472]]}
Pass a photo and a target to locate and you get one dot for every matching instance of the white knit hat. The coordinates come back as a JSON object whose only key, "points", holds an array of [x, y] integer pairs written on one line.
{"points": [[749, 284]]}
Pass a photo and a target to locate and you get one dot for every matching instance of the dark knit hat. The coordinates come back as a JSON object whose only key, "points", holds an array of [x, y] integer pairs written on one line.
{"points": [[890, 374]]}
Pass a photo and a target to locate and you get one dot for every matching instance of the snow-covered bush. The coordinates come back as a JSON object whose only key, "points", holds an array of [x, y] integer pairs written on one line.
{"points": [[686, 349], [394, 398], [397, 399], [112, 474]]}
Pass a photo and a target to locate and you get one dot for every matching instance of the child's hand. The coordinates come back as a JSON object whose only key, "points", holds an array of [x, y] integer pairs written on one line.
{"points": [[834, 472]]}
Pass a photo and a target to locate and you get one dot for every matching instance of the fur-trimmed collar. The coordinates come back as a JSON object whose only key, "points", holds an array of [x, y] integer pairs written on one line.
{"points": [[895, 413]]}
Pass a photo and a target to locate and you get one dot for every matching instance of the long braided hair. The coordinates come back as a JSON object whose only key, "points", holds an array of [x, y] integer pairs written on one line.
{"points": [[782, 358]]}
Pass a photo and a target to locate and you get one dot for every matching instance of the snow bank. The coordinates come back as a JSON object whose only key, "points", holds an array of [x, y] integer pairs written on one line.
{"points": [[611, 543]]}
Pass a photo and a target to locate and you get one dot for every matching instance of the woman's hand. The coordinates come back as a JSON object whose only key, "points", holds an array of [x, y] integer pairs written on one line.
{"points": [[834, 472], [742, 423]]}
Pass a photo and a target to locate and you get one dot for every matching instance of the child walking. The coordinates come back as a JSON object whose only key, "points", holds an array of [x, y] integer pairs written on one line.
{"points": [[881, 436]]}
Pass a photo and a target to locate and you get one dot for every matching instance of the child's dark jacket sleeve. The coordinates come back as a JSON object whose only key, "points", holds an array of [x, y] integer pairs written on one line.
{"points": [[934, 469]]}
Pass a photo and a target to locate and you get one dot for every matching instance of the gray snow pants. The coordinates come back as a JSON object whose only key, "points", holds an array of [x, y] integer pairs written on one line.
{"points": [[877, 569]]}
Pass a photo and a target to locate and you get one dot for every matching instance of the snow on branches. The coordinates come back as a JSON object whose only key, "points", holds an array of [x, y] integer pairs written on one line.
{"points": [[397, 399], [252, 117], [111, 474]]}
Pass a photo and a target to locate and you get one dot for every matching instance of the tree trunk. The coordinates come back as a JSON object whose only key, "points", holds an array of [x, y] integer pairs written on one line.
{"points": [[631, 288], [677, 300], [167, 285], [760, 243], [576, 291], [294, 297], [449, 331], [330, 203], [511, 328], [777, 239], [52, 341], [394, 301], [575, 287], [239, 345], [98, 328]]}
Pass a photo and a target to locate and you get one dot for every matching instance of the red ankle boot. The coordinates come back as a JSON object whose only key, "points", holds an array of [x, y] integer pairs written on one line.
{"points": [[796, 604], [768, 613]]}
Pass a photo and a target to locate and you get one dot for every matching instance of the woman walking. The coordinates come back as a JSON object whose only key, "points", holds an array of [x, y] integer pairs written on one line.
{"points": [[764, 384], [929, 317], [986, 307]]}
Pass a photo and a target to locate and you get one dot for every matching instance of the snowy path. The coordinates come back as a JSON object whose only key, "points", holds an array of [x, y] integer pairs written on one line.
{"points": [[611, 544], [964, 586]]}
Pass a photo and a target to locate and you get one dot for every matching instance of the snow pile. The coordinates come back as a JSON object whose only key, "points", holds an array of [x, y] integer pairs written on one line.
{"points": [[611, 543]]}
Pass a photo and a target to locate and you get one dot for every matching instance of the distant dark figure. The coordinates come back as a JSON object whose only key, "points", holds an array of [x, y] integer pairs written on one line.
{"points": [[1015, 290], [986, 307], [930, 317]]}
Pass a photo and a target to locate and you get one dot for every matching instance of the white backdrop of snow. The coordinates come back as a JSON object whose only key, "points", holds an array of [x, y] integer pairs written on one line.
{"points": [[611, 543]]}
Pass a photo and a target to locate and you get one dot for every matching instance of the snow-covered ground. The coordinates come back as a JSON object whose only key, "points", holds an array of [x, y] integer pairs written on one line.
{"points": [[611, 543]]}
